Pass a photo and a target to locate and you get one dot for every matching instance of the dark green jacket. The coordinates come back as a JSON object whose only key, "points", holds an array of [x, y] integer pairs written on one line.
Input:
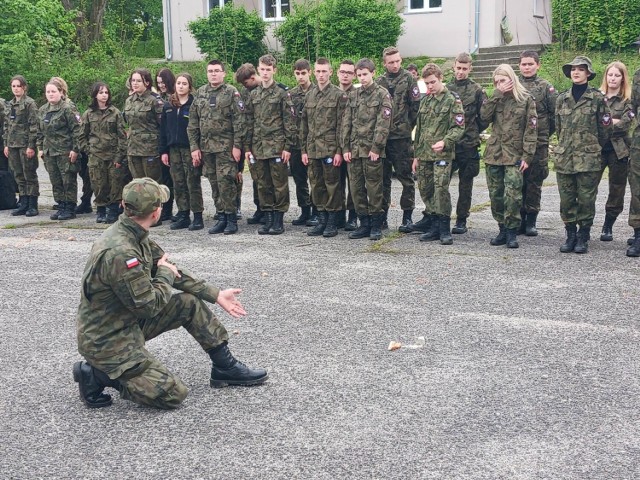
{"points": [[321, 121], [635, 106], [620, 138], [59, 129], [21, 123], [441, 117], [405, 97], [104, 135], [472, 97], [298, 96], [545, 97], [142, 114]]}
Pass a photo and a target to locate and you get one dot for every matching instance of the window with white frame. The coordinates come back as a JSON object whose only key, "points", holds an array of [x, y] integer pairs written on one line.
{"points": [[275, 9], [219, 3], [538, 8], [424, 5]]}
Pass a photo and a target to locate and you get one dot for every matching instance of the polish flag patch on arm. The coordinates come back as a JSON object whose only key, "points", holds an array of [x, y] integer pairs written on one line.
{"points": [[132, 262]]}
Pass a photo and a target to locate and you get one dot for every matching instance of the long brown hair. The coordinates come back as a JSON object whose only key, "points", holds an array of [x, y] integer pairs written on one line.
{"points": [[175, 101]]}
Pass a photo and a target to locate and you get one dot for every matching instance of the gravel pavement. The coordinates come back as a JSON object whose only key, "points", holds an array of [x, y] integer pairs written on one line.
{"points": [[529, 367]]}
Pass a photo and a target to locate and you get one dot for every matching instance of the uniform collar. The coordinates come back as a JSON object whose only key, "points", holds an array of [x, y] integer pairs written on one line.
{"points": [[462, 83], [133, 227], [529, 79]]}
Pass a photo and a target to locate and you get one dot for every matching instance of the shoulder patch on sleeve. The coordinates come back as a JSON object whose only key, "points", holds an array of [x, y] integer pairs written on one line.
{"points": [[132, 262], [551, 89], [386, 113], [292, 109], [459, 119], [415, 92], [631, 114], [606, 119], [533, 122], [77, 115]]}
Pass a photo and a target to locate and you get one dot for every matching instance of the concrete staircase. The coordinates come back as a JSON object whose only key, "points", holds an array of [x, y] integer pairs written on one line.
{"points": [[487, 59]]}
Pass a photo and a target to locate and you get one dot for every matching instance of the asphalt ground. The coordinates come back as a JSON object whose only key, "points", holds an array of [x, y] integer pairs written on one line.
{"points": [[529, 368]]}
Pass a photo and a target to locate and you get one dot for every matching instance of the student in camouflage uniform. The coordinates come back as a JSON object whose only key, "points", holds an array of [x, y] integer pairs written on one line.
{"points": [[20, 132], [510, 149], [545, 97], [59, 141], [439, 126], [271, 130], [363, 138], [346, 74], [634, 170], [405, 96], [616, 88], [127, 298], [215, 133], [302, 72], [106, 141], [175, 150], [467, 155], [320, 141], [584, 126], [166, 86]]}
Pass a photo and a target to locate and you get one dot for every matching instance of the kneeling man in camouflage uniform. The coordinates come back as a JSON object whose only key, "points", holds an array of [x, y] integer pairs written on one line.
{"points": [[127, 298]]}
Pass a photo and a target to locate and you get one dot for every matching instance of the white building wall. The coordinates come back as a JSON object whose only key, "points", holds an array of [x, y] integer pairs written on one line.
{"points": [[179, 45]]}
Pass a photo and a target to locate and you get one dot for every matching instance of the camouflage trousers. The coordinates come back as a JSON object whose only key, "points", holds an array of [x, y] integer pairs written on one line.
{"points": [[467, 164], [433, 183], [146, 167], [618, 173], [107, 181], [533, 178], [150, 382], [634, 185], [347, 198], [366, 179], [273, 184], [187, 184], [254, 177], [578, 193], [85, 175], [326, 186], [24, 171], [239, 180], [299, 172], [221, 169], [63, 176], [505, 191], [398, 159]]}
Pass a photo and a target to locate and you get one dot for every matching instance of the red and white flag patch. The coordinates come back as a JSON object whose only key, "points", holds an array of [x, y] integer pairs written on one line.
{"points": [[132, 262]]}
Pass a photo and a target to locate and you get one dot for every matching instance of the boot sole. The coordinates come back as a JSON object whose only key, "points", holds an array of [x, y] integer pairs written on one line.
{"points": [[77, 376], [237, 383]]}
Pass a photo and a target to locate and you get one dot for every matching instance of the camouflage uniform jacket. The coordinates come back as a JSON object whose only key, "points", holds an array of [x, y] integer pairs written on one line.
{"points": [[121, 285], [514, 133], [142, 113], [405, 97], [271, 122], [472, 96], [21, 123], [59, 129], [321, 121], [620, 139], [583, 129], [298, 96], [635, 105], [441, 117], [216, 119], [366, 122], [103, 134], [545, 97]]}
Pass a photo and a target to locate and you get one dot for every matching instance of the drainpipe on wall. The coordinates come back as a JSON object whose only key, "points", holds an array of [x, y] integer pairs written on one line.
{"points": [[476, 44], [168, 30]]}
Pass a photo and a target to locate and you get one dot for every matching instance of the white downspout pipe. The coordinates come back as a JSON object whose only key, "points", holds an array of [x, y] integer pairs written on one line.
{"points": [[168, 30], [476, 44]]}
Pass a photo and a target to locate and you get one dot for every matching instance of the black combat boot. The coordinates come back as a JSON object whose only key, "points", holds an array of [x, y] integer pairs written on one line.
{"points": [[91, 383], [167, 211], [323, 218], [501, 238], [183, 220], [630, 240], [376, 226], [385, 220], [530, 229], [84, 207], [352, 222], [445, 230], [434, 230], [32, 211], [341, 219], [56, 214], [363, 230], [112, 213], [220, 225], [582, 243], [460, 226], [305, 214], [232, 224], [331, 228], [23, 206], [218, 216], [226, 370], [570, 243], [423, 225], [268, 223], [405, 227], [57, 206], [101, 214], [634, 249], [512, 238], [68, 213], [256, 218], [523, 223], [198, 223], [313, 219], [607, 228], [278, 224]]}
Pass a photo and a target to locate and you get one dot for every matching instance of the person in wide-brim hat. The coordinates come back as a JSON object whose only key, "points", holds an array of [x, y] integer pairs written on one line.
{"points": [[579, 60]]}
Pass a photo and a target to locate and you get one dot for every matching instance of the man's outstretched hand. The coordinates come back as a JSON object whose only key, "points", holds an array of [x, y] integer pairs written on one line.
{"points": [[230, 304]]}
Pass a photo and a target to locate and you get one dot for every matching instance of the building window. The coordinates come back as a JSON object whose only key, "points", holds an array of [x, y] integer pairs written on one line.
{"points": [[275, 9], [538, 8], [425, 5], [219, 3]]}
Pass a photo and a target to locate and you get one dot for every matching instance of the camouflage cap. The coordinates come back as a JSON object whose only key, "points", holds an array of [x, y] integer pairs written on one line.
{"points": [[579, 60], [142, 196]]}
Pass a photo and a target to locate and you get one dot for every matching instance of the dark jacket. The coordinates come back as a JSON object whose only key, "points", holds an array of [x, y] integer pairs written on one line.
{"points": [[175, 120]]}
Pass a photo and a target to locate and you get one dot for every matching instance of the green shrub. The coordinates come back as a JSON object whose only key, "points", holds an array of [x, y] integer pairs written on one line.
{"points": [[230, 34], [339, 29]]}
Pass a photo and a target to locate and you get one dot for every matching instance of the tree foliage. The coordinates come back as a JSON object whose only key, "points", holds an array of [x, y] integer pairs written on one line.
{"points": [[340, 28], [230, 34]]}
